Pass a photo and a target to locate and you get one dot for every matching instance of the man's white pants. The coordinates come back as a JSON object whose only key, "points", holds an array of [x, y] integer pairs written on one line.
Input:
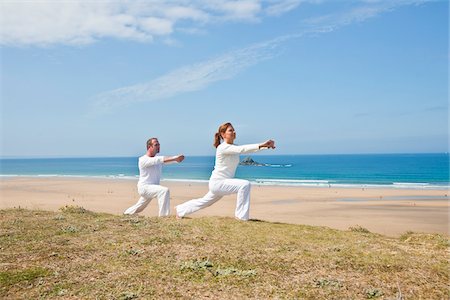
{"points": [[218, 189], [147, 193]]}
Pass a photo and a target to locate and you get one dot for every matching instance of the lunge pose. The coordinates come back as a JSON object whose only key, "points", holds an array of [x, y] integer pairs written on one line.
{"points": [[150, 166], [222, 181]]}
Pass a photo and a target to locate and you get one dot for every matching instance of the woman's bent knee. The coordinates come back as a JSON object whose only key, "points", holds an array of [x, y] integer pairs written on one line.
{"points": [[246, 185], [164, 190]]}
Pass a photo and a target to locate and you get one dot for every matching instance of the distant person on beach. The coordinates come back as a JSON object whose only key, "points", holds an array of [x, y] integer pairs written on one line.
{"points": [[222, 181], [150, 166]]}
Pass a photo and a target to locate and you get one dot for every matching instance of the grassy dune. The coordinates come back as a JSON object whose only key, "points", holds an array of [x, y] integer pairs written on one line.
{"points": [[76, 253]]}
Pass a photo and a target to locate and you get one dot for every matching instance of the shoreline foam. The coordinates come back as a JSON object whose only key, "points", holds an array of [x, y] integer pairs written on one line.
{"points": [[259, 181]]}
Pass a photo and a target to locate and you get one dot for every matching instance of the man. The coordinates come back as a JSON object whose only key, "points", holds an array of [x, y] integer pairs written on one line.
{"points": [[150, 167]]}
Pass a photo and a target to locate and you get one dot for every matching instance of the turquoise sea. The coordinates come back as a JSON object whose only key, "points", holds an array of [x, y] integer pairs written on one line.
{"points": [[421, 171]]}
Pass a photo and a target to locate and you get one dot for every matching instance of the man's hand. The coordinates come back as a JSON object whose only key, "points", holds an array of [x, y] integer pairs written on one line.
{"points": [[173, 159]]}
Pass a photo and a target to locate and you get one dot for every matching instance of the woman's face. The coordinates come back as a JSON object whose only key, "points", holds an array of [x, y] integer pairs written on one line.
{"points": [[229, 135]]}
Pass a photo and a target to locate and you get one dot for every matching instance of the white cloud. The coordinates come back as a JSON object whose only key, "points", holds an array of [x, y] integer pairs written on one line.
{"points": [[238, 9], [156, 26], [44, 23], [79, 22], [72, 23]]}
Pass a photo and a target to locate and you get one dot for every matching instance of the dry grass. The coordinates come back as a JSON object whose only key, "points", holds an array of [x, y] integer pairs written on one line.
{"points": [[79, 254]]}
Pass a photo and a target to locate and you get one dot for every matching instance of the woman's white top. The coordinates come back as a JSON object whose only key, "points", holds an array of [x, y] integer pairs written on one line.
{"points": [[227, 159]]}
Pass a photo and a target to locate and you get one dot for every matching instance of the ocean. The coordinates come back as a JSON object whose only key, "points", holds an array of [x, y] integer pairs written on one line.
{"points": [[421, 171]]}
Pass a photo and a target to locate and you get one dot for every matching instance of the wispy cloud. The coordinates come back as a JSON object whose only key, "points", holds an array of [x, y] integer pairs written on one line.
{"points": [[277, 8], [44, 23], [199, 76], [360, 13], [436, 109], [187, 79]]}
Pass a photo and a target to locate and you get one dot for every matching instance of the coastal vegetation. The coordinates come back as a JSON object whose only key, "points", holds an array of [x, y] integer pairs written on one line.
{"points": [[76, 253]]}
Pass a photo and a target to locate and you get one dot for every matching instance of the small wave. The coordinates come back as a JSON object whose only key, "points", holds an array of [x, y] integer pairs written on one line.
{"points": [[411, 183], [419, 185], [293, 182], [119, 176], [186, 180], [278, 166], [326, 183]]}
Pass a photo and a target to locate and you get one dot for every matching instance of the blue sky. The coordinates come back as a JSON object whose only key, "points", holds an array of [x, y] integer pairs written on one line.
{"points": [[318, 77]]}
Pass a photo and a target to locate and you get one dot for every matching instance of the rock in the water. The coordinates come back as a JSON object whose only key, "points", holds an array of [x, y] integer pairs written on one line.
{"points": [[248, 161]]}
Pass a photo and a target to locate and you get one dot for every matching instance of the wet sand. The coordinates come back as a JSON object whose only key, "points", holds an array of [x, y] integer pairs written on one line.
{"points": [[386, 211]]}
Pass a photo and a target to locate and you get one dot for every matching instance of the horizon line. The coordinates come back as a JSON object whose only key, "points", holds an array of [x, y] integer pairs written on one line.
{"points": [[206, 155]]}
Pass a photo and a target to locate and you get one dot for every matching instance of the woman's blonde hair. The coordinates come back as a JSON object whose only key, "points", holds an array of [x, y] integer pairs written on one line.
{"points": [[218, 136]]}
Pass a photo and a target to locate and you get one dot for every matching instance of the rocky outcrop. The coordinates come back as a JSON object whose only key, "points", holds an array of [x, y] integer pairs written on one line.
{"points": [[248, 161]]}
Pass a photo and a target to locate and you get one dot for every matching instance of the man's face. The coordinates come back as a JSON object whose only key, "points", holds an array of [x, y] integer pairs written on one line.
{"points": [[154, 148]]}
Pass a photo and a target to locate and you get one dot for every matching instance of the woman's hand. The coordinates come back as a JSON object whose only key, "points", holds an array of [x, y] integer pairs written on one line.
{"points": [[179, 158], [269, 144]]}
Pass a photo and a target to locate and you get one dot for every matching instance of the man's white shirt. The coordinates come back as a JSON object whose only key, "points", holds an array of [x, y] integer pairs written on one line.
{"points": [[150, 169]]}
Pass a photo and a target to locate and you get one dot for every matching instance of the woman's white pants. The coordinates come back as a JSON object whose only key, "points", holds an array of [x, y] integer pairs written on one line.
{"points": [[218, 189], [147, 193]]}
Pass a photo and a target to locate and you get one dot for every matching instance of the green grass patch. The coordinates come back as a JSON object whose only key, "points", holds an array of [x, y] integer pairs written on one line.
{"points": [[202, 265], [359, 228], [69, 209], [11, 277], [78, 254]]}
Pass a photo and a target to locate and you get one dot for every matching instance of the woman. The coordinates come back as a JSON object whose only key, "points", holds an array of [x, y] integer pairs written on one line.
{"points": [[222, 181]]}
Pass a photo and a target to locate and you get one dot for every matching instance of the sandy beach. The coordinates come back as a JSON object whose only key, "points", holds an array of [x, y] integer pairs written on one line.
{"points": [[390, 212]]}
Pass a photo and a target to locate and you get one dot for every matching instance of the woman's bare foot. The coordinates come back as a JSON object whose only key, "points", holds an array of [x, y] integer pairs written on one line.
{"points": [[176, 214]]}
